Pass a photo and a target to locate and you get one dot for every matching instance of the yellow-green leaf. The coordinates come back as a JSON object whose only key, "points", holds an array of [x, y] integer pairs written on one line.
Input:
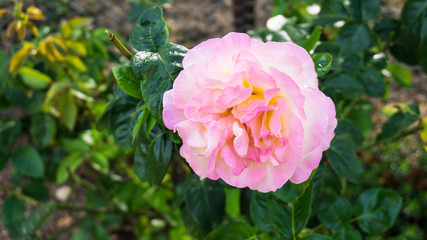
{"points": [[19, 58], [34, 78], [76, 46], [55, 89], [75, 62], [68, 110], [74, 23], [423, 134], [35, 13]]}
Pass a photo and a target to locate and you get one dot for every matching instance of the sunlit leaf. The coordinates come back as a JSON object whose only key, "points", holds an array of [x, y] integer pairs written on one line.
{"points": [[19, 58], [34, 78]]}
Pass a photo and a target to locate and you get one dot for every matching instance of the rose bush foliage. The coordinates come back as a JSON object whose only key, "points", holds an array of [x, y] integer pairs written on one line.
{"points": [[250, 112]]}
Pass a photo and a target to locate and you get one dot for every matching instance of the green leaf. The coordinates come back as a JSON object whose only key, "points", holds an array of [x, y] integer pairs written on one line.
{"points": [[309, 43], [331, 11], [344, 84], [291, 218], [352, 63], [315, 236], [423, 47], [33, 78], [81, 234], [158, 71], [37, 217], [347, 131], [259, 213], [348, 232], [121, 121], [290, 192], [150, 31], [373, 82], [68, 164], [413, 15], [127, 80], [28, 161], [205, 201], [232, 231], [151, 122], [398, 122], [354, 37], [10, 129], [43, 129], [99, 162], [327, 188], [376, 209], [36, 189], [152, 156], [338, 214], [400, 75], [364, 10], [99, 232], [322, 63], [385, 27], [68, 110], [344, 161], [360, 116], [75, 146], [142, 117], [12, 216]]}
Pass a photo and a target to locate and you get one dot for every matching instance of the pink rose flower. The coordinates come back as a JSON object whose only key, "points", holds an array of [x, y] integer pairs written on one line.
{"points": [[250, 112]]}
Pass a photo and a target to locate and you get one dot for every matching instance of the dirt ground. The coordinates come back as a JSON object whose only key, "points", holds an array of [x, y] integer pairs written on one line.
{"points": [[190, 23]]}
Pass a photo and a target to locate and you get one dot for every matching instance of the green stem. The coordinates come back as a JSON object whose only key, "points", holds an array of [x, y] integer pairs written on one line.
{"points": [[402, 134], [350, 108], [20, 196], [119, 45]]}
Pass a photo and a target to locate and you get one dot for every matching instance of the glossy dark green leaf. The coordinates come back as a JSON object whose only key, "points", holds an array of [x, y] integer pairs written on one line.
{"points": [[423, 47], [28, 161], [363, 10], [43, 129], [344, 160], [348, 232], [354, 37], [259, 212], [233, 231], [400, 74], [347, 131], [206, 202], [127, 80], [38, 217], [12, 216], [413, 15], [337, 214], [331, 11], [404, 54], [142, 117], [385, 27], [290, 192], [327, 188], [309, 43], [360, 116], [322, 63], [122, 120], [152, 156], [344, 84], [150, 31], [315, 236], [158, 70], [291, 218], [398, 122], [352, 63], [373, 82], [376, 209]]}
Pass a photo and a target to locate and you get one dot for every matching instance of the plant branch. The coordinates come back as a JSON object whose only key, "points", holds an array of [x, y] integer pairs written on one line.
{"points": [[350, 108], [119, 45], [402, 134], [18, 195]]}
